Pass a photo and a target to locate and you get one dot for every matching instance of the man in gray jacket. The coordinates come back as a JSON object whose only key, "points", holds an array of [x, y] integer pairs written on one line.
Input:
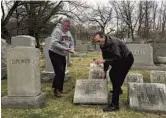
{"points": [[61, 44]]}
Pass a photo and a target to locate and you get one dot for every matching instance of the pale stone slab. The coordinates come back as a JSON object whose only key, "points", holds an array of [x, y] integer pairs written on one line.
{"points": [[23, 71], [48, 64], [68, 59], [134, 77], [94, 91], [158, 77], [23, 102], [147, 97], [143, 54], [23, 40]]}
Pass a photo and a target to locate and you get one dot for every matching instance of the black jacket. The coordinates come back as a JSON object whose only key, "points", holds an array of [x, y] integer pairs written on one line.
{"points": [[114, 50]]}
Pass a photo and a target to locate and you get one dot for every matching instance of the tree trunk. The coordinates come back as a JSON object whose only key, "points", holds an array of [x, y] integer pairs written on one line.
{"points": [[37, 40]]}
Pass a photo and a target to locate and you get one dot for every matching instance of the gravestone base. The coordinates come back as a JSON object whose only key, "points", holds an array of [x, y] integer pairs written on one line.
{"points": [[148, 67], [48, 76], [134, 77], [23, 102]]}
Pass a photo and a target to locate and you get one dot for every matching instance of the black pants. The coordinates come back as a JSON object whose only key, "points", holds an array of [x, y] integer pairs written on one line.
{"points": [[117, 74], [59, 65]]}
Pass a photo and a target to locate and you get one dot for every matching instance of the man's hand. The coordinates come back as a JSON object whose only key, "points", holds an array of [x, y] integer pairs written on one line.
{"points": [[70, 50], [99, 61]]}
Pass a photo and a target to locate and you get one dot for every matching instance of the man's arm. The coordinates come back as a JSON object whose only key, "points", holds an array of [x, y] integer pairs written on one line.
{"points": [[56, 37]]}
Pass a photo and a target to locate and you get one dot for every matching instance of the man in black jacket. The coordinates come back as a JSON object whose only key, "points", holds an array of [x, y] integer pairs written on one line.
{"points": [[116, 54]]}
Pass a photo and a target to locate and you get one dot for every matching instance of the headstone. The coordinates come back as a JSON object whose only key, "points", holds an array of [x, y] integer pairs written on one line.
{"points": [[68, 59], [23, 40], [143, 57], [3, 58], [97, 71], [91, 48], [24, 86], [158, 77], [48, 64], [147, 97], [143, 54], [134, 77], [98, 48], [81, 47], [94, 91]]}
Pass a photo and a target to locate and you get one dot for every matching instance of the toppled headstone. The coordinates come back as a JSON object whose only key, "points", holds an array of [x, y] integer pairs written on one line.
{"points": [[134, 77], [94, 91], [147, 97], [158, 77]]}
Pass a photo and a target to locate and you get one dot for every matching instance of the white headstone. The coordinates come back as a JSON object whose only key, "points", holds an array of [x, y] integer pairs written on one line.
{"points": [[24, 86], [134, 77], [94, 91], [48, 64], [68, 59], [158, 77], [23, 40], [147, 96], [143, 54]]}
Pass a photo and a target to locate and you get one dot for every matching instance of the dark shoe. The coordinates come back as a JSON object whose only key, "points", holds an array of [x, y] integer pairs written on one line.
{"points": [[111, 108], [57, 93], [121, 91]]}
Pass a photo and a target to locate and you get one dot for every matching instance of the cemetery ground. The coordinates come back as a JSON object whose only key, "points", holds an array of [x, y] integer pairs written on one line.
{"points": [[64, 108]]}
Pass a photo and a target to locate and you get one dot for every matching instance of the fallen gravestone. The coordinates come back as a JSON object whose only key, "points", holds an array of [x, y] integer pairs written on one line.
{"points": [[158, 77], [134, 77], [94, 91], [147, 97], [24, 87]]}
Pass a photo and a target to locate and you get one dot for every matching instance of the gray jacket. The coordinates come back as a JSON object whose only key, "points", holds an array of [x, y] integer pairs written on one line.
{"points": [[60, 40]]}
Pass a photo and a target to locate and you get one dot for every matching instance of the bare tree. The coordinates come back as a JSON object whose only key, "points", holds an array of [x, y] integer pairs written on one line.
{"points": [[6, 16], [36, 15], [100, 15], [126, 14]]}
